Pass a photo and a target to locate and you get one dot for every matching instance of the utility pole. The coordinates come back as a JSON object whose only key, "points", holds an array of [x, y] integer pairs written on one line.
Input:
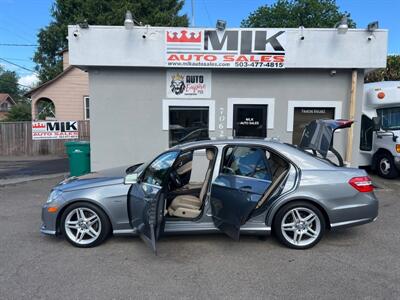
{"points": [[193, 24]]}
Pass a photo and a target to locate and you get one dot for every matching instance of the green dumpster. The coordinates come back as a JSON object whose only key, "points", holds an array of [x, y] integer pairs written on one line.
{"points": [[79, 157]]}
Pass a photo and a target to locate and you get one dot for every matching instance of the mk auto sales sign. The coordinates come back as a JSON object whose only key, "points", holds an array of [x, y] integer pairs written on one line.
{"points": [[55, 130], [236, 48]]}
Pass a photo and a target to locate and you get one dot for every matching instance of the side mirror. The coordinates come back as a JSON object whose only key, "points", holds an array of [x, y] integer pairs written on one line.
{"points": [[377, 123], [131, 178]]}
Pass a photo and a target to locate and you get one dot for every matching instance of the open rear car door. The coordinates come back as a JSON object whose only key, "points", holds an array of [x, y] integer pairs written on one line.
{"points": [[318, 137], [235, 193]]}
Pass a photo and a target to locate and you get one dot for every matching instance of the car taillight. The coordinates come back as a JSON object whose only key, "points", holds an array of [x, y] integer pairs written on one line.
{"points": [[362, 184]]}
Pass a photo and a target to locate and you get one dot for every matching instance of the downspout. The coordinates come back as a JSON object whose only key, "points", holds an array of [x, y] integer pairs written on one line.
{"points": [[352, 110]]}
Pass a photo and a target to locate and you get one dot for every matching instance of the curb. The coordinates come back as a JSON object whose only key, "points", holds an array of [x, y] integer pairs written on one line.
{"points": [[4, 182]]}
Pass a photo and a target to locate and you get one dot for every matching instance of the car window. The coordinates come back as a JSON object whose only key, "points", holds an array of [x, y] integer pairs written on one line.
{"points": [[156, 172], [246, 161]]}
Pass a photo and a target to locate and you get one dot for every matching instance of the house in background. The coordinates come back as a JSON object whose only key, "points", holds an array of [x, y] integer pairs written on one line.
{"points": [[65, 97], [6, 102]]}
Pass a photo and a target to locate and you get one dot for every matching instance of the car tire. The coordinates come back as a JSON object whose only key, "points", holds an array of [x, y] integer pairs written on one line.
{"points": [[299, 225], [85, 225], [385, 166]]}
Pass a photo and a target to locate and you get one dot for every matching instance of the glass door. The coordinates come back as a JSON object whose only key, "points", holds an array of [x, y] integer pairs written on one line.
{"points": [[250, 120]]}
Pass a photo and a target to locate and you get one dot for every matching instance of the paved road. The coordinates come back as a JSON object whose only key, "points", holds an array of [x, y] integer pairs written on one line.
{"points": [[362, 262], [32, 167]]}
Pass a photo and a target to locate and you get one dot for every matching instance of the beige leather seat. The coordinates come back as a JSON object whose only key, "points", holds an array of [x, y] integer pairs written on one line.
{"points": [[189, 206]]}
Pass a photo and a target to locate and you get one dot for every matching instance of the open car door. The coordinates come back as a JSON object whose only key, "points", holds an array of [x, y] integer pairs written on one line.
{"points": [[318, 136], [146, 199], [235, 193]]}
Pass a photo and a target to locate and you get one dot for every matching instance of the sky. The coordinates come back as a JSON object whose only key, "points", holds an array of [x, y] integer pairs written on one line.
{"points": [[20, 21]]}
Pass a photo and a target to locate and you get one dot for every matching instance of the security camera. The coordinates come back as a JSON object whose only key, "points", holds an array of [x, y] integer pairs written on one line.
{"points": [[302, 38], [76, 33], [333, 72], [370, 37], [144, 36]]}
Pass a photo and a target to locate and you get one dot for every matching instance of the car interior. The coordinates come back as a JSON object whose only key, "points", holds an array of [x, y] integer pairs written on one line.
{"points": [[190, 176]]}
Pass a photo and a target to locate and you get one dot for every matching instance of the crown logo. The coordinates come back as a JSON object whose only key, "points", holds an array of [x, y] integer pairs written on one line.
{"points": [[177, 77], [183, 37]]}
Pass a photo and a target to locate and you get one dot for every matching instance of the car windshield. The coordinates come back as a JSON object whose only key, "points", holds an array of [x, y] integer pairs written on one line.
{"points": [[390, 118]]}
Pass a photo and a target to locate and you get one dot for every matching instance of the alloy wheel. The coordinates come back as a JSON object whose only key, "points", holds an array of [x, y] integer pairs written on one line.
{"points": [[300, 226], [82, 225]]}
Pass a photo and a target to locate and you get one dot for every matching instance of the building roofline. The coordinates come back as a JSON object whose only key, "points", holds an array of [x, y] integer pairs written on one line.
{"points": [[29, 94], [8, 96]]}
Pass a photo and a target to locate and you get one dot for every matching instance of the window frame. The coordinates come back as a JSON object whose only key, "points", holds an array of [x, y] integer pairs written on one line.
{"points": [[86, 107], [143, 174], [235, 146]]}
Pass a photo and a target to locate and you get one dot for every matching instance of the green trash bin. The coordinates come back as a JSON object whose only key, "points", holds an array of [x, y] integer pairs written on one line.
{"points": [[79, 157]]}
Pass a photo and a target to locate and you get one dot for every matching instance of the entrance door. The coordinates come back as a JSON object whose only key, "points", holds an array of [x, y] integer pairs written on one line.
{"points": [[305, 115], [250, 120], [146, 202]]}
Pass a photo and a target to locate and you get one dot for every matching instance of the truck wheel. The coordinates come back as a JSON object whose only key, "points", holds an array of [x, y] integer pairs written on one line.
{"points": [[385, 166]]}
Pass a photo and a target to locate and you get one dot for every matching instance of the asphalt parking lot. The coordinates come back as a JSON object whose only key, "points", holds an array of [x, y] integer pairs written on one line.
{"points": [[362, 262]]}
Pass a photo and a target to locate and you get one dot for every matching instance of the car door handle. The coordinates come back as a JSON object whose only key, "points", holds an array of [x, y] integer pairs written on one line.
{"points": [[246, 188]]}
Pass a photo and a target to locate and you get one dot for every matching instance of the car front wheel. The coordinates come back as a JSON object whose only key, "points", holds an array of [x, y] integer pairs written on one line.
{"points": [[84, 225], [299, 225]]}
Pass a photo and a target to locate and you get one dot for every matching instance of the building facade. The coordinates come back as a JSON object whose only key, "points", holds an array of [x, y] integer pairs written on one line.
{"points": [[6, 102], [152, 88], [66, 97]]}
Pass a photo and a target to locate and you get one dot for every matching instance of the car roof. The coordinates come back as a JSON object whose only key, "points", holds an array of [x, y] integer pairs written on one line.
{"points": [[299, 157]]}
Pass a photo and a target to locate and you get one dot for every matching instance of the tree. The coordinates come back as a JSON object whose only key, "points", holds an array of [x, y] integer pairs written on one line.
{"points": [[52, 38], [19, 112], [391, 72], [295, 13], [9, 83]]}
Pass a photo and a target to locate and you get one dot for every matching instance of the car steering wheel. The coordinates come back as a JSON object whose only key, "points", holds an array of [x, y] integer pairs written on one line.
{"points": [[175, 178]]}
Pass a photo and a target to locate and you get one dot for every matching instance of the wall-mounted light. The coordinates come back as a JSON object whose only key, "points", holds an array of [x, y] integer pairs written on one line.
{"points": [[371, 28], [84, 24], [342, 26], [301, 32], [221, 25], [128, 23]]}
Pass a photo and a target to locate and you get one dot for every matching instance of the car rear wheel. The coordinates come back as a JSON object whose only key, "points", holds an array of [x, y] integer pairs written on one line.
{"points": [[386, 167], [84, 225], [299, 225]]}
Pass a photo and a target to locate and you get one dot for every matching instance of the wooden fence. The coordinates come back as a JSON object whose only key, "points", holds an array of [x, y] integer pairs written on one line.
{"points": [[16, 139]]}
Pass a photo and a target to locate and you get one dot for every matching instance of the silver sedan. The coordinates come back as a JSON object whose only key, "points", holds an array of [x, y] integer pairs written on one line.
{"points": [[230, 186]]}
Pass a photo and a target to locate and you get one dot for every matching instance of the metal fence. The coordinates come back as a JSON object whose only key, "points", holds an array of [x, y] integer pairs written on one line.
{"points": [[16, 139]]}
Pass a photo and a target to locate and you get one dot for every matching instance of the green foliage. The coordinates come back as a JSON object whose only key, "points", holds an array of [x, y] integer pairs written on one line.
{"points": [[295, 13], [391, 72], [19, 112], [52, 38], [9, 83]]}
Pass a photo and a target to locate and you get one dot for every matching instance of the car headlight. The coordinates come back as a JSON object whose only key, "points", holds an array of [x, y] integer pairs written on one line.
{"points": [[54, 195]]}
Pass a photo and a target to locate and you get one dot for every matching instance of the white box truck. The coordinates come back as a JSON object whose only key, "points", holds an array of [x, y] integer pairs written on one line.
{"points": [[380, 128]]}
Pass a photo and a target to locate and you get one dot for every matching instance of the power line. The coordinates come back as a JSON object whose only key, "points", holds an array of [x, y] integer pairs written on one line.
{"points": [[17, 65], [18, 45]]}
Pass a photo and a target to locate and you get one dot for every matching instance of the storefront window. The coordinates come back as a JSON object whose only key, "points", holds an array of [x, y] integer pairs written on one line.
{"points": [[304, 115], [187, 124]]}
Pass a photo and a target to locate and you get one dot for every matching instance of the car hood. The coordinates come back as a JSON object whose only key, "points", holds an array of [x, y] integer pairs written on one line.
{"points": [[95, 179]]}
